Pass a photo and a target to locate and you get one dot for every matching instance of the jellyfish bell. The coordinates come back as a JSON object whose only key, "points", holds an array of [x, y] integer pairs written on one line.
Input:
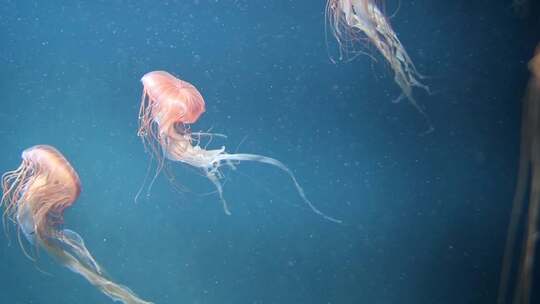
{"points": [[35, 196], [173, 99], [53, 172], [38, 192], [166, 102], [168, 106]]}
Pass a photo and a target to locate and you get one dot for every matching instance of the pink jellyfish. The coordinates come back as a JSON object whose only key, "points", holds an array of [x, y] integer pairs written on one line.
{"points": [[168, 106], [35, 196]]}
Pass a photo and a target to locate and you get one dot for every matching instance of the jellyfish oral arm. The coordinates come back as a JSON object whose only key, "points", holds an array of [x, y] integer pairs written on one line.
{"points": [[215, 159], [231, 158], [69, 248], [25, 220], [178, 147], [74, 243], [363, 16]]}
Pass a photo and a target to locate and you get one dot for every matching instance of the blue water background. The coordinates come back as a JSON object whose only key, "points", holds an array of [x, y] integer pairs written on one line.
{"points": [[424, 216]]}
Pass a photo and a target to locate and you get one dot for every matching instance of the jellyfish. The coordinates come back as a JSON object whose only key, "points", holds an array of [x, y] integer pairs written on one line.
{"points": [[528, 179], [35, 196], [168, 107], [349, 19]]}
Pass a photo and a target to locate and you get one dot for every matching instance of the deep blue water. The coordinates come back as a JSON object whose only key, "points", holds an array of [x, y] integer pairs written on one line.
{"points": [[425, 216]]}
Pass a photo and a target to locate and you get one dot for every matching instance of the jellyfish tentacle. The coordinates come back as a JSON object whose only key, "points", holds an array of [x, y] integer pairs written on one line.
{"points": [[75, 243], [274, 162], [214, 177]]}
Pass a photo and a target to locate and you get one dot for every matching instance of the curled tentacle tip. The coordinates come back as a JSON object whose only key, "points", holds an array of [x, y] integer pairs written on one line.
{"points": [[398, 99], [335, 220], [226, 209]]}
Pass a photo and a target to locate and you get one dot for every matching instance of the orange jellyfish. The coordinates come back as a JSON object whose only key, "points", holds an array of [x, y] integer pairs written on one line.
{"points": [[349, 19], [35, 196], [168, 106], [528, 180]]}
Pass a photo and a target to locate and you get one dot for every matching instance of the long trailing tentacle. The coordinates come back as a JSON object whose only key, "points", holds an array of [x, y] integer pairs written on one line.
{"points": [[227, 158], [146, 175], [150, 137]]}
